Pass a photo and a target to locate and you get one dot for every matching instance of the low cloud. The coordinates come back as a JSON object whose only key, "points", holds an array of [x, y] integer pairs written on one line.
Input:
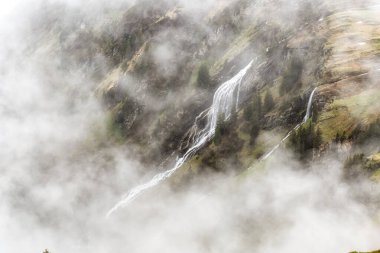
{"points": [[60, 176]]}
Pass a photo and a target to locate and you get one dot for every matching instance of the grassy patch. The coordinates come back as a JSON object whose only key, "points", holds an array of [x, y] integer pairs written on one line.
{"points": [[376, 158], [377, 251], [344, 114], [335, 120], [362, 105], [237, 47], [376, 176], [191, 167], [376, 44], [373, 164]]}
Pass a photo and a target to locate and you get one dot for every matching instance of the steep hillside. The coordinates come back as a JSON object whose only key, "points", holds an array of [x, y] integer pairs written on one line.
{"points": [[161, 67], [235, 39], [190, 126]]}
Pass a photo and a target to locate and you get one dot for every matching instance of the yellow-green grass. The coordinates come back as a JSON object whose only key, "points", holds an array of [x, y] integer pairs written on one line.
{"points": [[353, 38], [376, 44], [189, 168], [237, 47], [376, 158], [363, 105], [374, 163], [343, 115], [377, 251], [376, 176]]}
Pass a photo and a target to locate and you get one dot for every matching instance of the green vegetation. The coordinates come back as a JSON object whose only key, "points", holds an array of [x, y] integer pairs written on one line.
{"points": [[121, 48], [297, 105], [376, 176], [376, 43], [203, 78], [248, 112], [238, 46], [355, 160], [372, 132], [257, 105], [220, 129], [373, 162], [344, 115], [253, 113], [377, 251], [254, 132], [358, 165], [115, 130], [335, 120], [122, 118], [340, 137], [291, 76], [268, 102], [305, 139], [361, 106]]}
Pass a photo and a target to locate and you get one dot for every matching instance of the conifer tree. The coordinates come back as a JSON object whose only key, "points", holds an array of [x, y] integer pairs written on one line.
{"points": [[257, 105], [203, 79], [268, 102], [219, 130], [248, 112], [291, 76], [254, 132], [317, 138]]}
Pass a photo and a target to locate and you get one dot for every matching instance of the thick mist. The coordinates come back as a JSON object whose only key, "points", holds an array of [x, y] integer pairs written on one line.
{"points": [[60, 173]]}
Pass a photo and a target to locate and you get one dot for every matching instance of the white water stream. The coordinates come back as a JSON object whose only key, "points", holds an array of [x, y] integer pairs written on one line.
{"points": [[225, 101], [309, 104], [307, 116]]}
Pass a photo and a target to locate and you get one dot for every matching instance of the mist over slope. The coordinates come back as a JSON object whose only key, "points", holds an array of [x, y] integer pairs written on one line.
{"points": [[98, 97]]}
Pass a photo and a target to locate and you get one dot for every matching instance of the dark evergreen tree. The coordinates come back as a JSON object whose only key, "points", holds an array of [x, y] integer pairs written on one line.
{"points": [[315, 114], [254, 110], [220, 129], [362, 133], [291, 76], [318, 138], [337, 138], [248, 112], [305, 139], [257, 106], [254, 132], [233, 118], [268, 102], [203, 78], [343, 137]]}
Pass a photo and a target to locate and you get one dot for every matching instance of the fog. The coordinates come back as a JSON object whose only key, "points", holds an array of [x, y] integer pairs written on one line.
{"points": [[60, 174]]}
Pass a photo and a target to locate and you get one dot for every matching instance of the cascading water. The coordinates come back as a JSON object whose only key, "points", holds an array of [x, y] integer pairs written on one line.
{"points": [[224, 103], [309, 104], [307, 116]]}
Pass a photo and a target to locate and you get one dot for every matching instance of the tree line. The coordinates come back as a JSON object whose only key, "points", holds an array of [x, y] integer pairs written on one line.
{"points": [[252, 114]]}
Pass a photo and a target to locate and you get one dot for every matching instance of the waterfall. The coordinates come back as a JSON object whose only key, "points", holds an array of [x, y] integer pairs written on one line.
{"points": [[309, 104], [307, 116], [224, 103]]}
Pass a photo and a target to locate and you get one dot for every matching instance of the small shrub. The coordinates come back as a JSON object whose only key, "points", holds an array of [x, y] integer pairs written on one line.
{"points": [[305, 139], [291, 77], [268, 102], [203, 78]]}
